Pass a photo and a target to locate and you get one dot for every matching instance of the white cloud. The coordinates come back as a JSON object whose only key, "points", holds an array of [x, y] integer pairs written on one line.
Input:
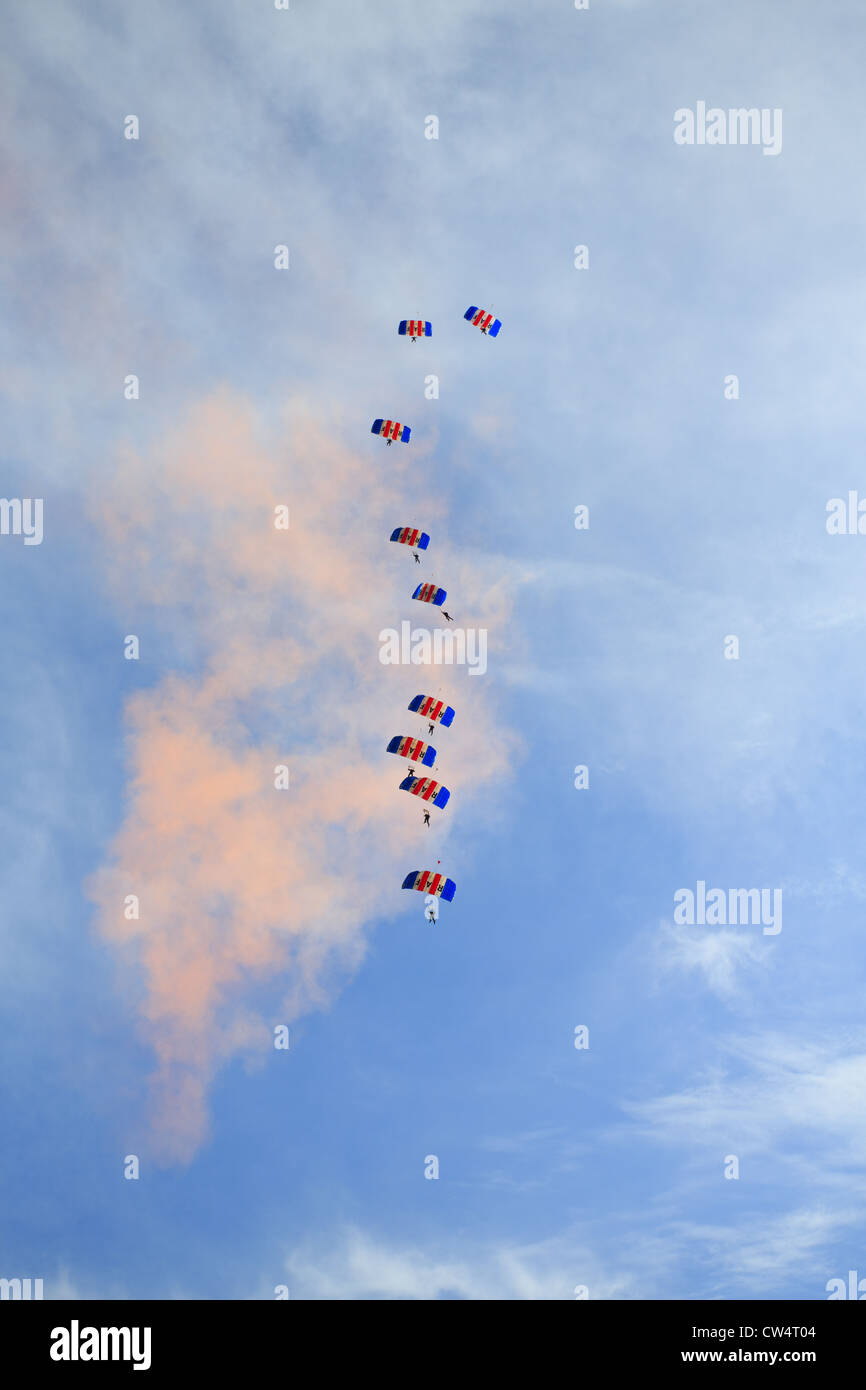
{"points": [[720, 957], [358, 1266], [793, 1101]]}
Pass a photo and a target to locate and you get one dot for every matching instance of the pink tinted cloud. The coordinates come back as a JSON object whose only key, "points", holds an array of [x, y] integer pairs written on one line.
{"points": [[239, 883]]}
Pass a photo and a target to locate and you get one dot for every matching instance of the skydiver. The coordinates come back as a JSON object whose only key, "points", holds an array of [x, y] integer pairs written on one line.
{"points": [[430, 728], [447, 615], [426, 817], [388, 442], [417, 557]]}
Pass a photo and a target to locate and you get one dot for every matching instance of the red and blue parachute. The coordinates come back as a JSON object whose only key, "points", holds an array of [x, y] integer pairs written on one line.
{"points": [[391, 430], [428, 593], [427, 789], [410, 535], [433, 710], [412, 748], [415, 328], [481, 319], [436, 885]]}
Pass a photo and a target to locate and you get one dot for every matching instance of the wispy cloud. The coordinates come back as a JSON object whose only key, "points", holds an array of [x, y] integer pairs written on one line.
{"points": [[720, 957], [359, 1266]]}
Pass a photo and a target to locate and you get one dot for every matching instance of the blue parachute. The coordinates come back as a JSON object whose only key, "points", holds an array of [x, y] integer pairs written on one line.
{"points": [[412, 748], [427, 790], [434, 884], [415, 328], [481, 319], [391, 430], [429, 593], [433, 710], [410, 535]]}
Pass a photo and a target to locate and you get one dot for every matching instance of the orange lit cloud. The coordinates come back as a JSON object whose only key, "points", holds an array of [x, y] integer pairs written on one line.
{"points": [[277, 640]]}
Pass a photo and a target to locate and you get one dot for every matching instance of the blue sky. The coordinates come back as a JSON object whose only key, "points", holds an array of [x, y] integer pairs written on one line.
{"points": [[558, 1167]]}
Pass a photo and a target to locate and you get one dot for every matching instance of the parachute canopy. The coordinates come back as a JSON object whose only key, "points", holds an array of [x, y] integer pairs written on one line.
{"points": [[415, 328], [481, 319], [410, 535], [391, 429], [437, 885], [436, 711], [428, 593], [427, 789], [412, 748]]}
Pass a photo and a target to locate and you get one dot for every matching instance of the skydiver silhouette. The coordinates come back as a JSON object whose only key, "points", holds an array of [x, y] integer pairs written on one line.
{"points": [[417, 557], [447, 615], [426, 817], [430, 728]]}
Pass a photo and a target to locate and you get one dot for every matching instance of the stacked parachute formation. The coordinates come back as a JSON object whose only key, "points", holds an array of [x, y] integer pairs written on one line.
{"points": [[434, 884], [429, 792]]}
